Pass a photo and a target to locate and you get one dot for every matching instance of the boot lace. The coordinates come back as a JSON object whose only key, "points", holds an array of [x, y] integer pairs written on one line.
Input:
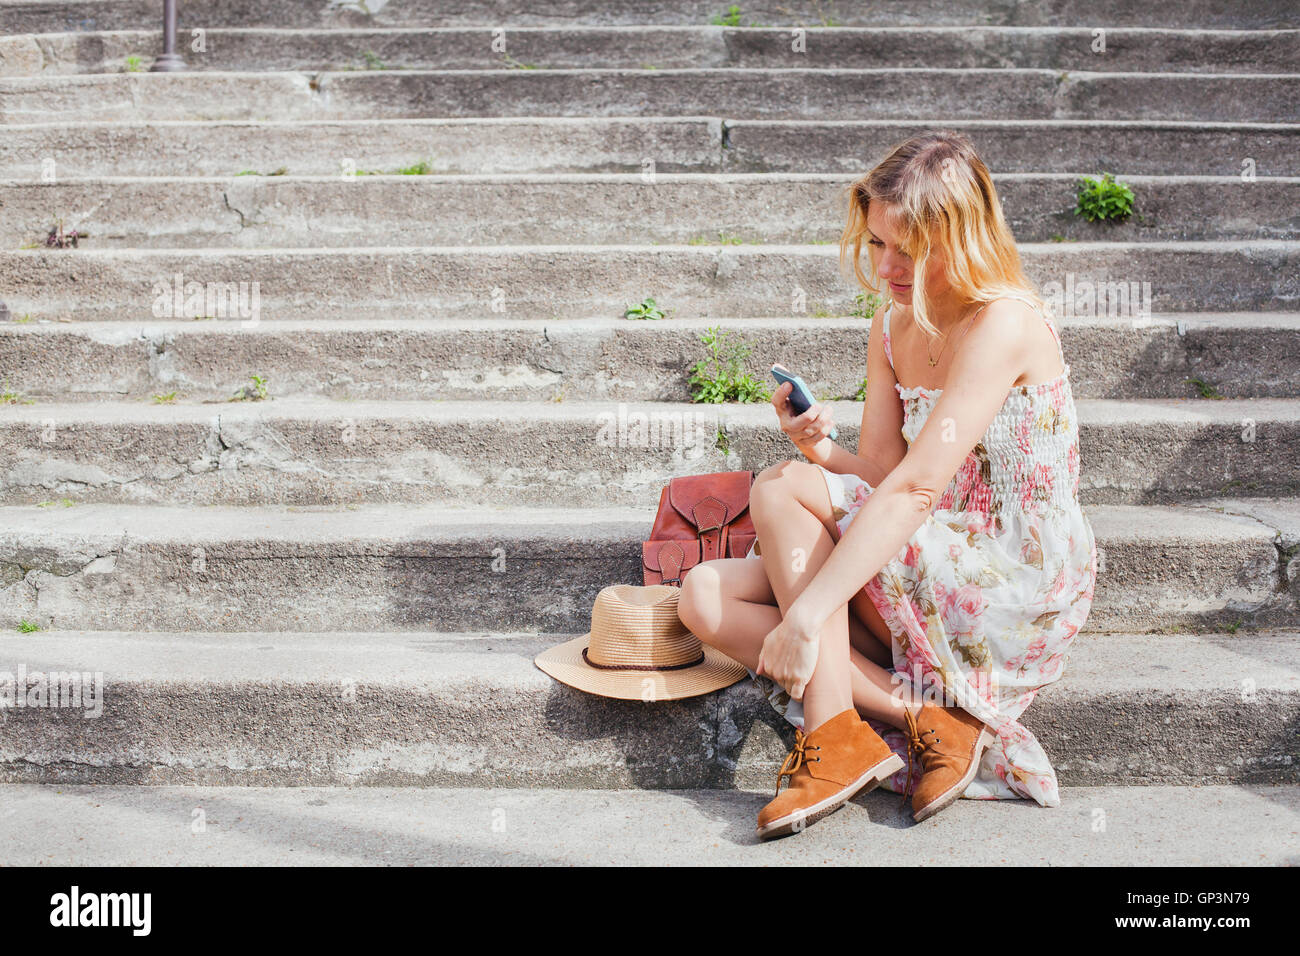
{"points": [[796, 758], [916, 744]]}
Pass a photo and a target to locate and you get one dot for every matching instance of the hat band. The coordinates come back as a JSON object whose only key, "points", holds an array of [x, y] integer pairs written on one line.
{"points": [[643, 667]]}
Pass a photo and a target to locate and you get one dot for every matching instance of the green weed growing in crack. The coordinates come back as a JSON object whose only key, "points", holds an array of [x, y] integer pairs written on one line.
{"points": [[1103, 199], [645, 309], [823, 18], [865, 306], [724, 239], [133, 64], [164, 399], [510, 61], [9, 396], [722, 376], [282, 171], [729, 19], [421, 168], [1205, 388], [63, 502], [28, 627], [255, 391], [861, 394]]}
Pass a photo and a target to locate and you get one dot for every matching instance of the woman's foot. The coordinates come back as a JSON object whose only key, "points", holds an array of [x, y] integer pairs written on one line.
{"points": [[951, 743], [826, 768]]}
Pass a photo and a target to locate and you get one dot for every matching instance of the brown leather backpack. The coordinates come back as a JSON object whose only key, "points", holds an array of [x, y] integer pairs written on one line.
{"points": [[700, 518]]}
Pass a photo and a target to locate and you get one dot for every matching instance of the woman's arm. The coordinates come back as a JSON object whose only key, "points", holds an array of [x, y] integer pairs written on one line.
{"points": [[980, 378], [880, 440]]}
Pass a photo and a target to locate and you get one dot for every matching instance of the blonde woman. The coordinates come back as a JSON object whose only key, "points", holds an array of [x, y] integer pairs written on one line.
{"points": [[927, 586]]}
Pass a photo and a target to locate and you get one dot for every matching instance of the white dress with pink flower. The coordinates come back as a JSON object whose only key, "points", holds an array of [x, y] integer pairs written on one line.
{"points": [[987, 595]]}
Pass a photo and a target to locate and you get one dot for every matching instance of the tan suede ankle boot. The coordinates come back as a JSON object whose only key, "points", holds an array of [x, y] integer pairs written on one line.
{"points": [[950, 742], [826, 768]]}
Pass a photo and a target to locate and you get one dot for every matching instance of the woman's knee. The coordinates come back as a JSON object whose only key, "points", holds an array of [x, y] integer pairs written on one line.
{"points": [[781, 484], [773, 485], [699, 598]]}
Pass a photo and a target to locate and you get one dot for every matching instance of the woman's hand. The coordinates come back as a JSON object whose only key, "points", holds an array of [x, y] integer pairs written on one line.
{"points": [[806, 430], [789, 654]]}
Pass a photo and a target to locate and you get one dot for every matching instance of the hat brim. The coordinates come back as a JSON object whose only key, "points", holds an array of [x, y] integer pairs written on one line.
{"points": [[565, 663]]}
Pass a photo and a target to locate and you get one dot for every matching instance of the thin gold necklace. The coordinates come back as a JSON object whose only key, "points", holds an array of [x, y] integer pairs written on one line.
{"points": [[935, 361]]}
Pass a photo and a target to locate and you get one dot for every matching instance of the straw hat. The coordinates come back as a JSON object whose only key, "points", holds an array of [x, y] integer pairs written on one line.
{"points": [[638, 649]]}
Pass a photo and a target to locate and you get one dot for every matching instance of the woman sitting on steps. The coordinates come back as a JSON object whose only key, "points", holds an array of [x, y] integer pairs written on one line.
{"points": [[971, 566]]}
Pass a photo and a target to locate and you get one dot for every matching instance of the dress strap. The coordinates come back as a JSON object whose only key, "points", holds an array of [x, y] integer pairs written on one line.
{"points": [[1042, 312], [889, 352]]}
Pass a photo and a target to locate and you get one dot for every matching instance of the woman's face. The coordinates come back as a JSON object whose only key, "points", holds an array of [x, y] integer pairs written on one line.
{"points": [[895, 266]]}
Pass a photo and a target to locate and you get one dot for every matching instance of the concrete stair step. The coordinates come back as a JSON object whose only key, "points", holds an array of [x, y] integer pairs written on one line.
{"points": [[25, 16], [472, 709], [630, 144], [667, 47], [1213, 565], [336, 826], [578, 454], [560, 282], [1042, 146], [248, 211], [764, 93], [1239, 355]]}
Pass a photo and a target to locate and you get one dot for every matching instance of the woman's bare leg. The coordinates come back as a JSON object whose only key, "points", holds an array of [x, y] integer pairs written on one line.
{"points": [[730, 604]]}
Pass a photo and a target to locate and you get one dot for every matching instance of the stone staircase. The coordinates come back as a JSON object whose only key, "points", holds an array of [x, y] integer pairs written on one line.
{"points": [[346, 581]]}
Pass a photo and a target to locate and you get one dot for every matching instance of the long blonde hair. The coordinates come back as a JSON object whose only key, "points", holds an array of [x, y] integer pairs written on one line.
{"points": [[939, 196]]}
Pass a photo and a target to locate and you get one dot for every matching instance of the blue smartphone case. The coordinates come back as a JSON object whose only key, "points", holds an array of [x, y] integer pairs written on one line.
{"points": [[801, 398]]}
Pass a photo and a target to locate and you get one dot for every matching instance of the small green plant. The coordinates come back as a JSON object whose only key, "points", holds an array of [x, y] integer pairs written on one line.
{"points": [[28, 627], [1103, 199], [645, 309], [167, 399], [282, 171], [10, 397], [422, 168], [724, 239], [1205, 388], [729, 19], [865, 306], [722, 377], [65, 502], [861, 394], [372, 61], [253, 392], [510, 61], [24, 319], [133, 64]]}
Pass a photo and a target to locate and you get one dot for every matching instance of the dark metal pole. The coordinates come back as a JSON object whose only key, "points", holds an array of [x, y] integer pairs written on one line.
{"points": [[170, 61]]}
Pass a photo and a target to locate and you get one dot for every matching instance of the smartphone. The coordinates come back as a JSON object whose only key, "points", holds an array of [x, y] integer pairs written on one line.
{"points": [[801, 398]]}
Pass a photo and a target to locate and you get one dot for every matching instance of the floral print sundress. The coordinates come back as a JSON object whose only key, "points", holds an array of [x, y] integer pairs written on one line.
{"points": [[987, 595]]}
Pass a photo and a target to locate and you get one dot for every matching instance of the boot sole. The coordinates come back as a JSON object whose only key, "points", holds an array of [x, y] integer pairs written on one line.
{"points": [[953, 793], [810, 815]]}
